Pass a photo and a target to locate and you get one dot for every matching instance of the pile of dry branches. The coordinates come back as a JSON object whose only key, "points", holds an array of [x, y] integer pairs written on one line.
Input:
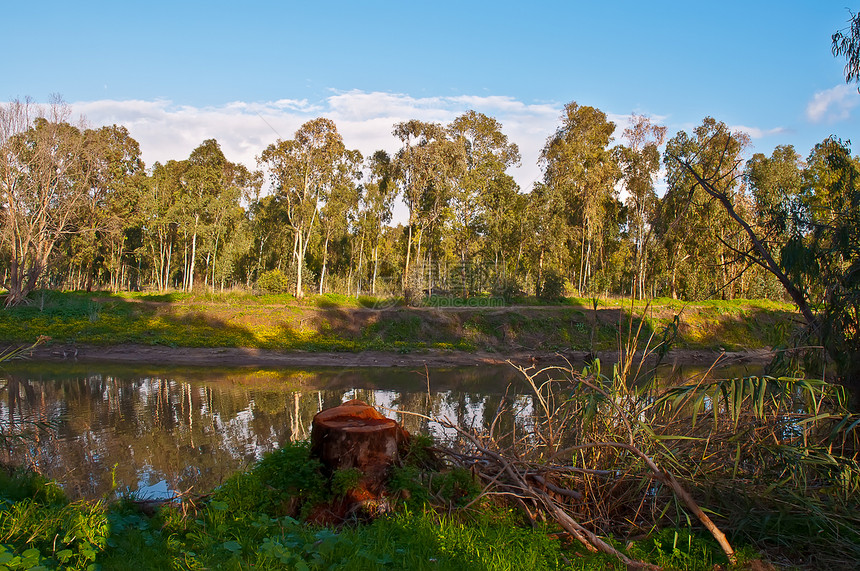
{"points": [[608, 454]]}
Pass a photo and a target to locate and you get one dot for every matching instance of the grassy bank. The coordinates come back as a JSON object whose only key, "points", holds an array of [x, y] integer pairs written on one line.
{"points": [[339, 323]]}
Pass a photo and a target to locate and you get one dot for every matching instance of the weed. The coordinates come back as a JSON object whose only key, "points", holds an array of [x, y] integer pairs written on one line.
{"points": [[292, 472], [345, 480], [457, 486]]}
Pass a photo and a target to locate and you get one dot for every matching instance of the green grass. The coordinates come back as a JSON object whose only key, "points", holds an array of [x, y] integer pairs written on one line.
{"points": [[245, 524], [334, 322]]}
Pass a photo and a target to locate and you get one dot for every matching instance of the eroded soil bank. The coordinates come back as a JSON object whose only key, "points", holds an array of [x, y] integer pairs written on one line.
{"points": [[253, 357]]}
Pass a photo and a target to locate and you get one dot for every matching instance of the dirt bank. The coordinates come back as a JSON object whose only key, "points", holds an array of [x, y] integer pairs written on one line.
{"points": [[230, 356]]}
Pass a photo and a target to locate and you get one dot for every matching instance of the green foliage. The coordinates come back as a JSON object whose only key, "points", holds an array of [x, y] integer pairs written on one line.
{"points": [[509, 289], [681, 549], [418, 451], [846, 43], [457, 486], [292, 471], [235, 530], [345, 480], [50, 533], [552, 288], [244, 492], [274, 281], [406, 481], [18, 484]]}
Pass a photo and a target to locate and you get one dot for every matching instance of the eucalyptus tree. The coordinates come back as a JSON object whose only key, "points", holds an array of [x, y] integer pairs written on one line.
{"points": [[42, 185], [227, 216], [211, 187], [829, 254], [272, 237], [304, 171], [427, 164], [503, 223], [817, 256], [377, 201], [115, 177], [640, 161], [701, 243], [579, 163], [159, 213], [846, 43], [340, 211], [545, 239], [776, 184], [482, 186]]}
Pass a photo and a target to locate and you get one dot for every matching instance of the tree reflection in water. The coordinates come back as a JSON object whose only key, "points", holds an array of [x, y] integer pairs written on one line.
{"points": [[192, 428]]}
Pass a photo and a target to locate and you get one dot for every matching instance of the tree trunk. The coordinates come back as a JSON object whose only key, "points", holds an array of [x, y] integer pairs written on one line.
{"points": [[193, 255], [356, 435], [408, 258], [215, 258], [300, 256], [325, 262], [375, 268]]}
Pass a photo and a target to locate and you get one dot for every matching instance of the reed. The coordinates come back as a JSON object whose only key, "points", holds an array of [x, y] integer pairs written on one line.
{"points": [[766, 461]]}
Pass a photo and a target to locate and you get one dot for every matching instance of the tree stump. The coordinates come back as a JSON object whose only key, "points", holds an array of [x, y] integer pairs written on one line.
{"points": [[356, 435]]}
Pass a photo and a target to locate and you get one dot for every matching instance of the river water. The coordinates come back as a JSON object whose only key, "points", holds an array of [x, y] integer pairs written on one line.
{"points": [[103, 430]]}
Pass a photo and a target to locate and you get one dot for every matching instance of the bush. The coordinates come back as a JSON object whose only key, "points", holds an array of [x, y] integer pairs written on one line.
{"points": [[509, 289], [345, 480], [277, 281], [274, 281], [552, 288], [243, 492], [292, 471]]}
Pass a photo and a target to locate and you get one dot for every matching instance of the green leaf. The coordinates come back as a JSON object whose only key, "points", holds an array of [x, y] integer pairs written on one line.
{"points": [[233, 546], [64, 555]]}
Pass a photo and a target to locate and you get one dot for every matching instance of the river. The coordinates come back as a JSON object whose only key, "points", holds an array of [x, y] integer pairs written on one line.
{"points": [[106, 430]]}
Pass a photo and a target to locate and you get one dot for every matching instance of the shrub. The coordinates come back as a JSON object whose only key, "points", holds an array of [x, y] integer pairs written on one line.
{"points": [[552, 288], [274, 281], [292, 471]]}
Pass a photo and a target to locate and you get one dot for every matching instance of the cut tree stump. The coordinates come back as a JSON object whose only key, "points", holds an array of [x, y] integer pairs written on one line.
{"points": [[356, 435]]}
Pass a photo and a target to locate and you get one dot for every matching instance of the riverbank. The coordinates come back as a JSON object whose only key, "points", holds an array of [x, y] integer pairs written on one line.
{"points": [[244, 329], [254, 357]]}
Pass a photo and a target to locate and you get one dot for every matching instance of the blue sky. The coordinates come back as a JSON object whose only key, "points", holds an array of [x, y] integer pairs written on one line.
{"points": [[176, 73]]}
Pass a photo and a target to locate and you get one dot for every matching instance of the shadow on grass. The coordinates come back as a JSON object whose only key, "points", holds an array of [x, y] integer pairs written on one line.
{"points": [[330, 323]]}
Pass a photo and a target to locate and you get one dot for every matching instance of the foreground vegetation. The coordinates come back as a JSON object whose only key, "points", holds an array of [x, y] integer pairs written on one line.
{"points": [[341, 323], [243, 525]]}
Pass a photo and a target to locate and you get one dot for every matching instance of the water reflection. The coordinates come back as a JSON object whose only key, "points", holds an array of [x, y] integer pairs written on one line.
{"points": [[179, 429], [154, 431]]}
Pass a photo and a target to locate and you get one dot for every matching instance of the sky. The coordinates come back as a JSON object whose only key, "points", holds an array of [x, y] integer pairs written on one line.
{"points": [[248, 73]]}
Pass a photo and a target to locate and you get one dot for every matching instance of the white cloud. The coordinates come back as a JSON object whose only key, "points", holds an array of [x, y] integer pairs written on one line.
{"points": [[832, 105], [365, 120], [757, 132]]}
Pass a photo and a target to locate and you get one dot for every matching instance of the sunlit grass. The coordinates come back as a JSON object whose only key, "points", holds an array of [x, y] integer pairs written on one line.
{"points": [[333, 322]]}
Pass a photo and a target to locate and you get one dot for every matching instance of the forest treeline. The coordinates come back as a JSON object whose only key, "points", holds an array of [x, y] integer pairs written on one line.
{"points": [[82, 211]]}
